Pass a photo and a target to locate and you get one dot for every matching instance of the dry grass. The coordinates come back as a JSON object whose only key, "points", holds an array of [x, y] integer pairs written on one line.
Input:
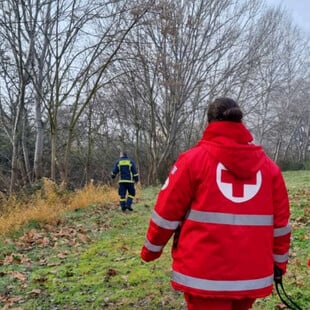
{"points": [[49, 202]]}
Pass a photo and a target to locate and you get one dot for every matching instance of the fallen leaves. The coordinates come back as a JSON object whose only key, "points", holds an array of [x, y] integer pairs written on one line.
{"points": [[16, 259], [33, 238], [63, 254], [35, 292], [9, 301], [52, 236], [35, 243], [109, 274], [18, 275]]}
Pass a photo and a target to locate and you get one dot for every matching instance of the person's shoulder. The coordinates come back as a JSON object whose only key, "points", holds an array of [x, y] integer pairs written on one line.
{"points": [[192, 154], [273, 167]]}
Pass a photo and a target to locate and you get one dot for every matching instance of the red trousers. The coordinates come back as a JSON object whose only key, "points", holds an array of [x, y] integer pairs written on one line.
{"points": [[201, 303]]}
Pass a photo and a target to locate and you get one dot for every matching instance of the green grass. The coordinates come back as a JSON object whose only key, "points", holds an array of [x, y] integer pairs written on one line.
{"points": [[90, 259]]}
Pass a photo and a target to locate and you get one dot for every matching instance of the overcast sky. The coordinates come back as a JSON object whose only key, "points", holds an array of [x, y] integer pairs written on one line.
{"points": [[299, 10]]}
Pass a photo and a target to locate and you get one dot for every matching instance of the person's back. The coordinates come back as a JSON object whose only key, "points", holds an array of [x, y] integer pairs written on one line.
{"points": [[228, 204], [232, 214], [126, 168]]}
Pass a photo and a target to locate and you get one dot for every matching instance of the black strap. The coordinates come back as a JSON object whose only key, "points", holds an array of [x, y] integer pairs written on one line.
{"points": [[293, 304]]}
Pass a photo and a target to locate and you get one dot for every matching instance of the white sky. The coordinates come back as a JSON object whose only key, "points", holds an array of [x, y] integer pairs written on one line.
{"points": [[298, 9]]}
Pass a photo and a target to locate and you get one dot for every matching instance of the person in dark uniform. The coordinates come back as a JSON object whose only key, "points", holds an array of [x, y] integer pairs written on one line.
{"points": [[128, 176]]}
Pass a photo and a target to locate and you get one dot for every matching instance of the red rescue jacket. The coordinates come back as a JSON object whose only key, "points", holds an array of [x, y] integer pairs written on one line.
{"points": [[226, 203]]}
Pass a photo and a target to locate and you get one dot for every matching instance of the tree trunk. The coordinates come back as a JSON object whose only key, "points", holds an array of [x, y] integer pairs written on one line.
{"points": [[25, 149], [16, 136], [53, 152], [38, 154]]}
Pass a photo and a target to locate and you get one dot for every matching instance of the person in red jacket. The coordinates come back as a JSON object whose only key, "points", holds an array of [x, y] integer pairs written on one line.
{"points": [[226, 203]]}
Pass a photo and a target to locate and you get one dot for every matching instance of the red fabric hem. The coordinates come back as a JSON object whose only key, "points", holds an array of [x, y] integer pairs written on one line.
{"points": [[261, 293]]}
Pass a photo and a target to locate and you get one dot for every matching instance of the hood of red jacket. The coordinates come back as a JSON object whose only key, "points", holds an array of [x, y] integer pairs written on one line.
{"points": [[230, 144]]}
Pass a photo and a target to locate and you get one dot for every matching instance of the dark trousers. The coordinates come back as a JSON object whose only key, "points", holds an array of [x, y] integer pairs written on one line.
{"points": [[126, 189]]}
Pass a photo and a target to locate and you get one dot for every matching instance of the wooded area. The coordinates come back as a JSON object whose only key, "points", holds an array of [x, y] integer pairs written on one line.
{"points": [[82, 79]]}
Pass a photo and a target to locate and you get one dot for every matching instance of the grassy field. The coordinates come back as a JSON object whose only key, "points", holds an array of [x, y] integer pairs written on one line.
{"points": [[88, 258]]}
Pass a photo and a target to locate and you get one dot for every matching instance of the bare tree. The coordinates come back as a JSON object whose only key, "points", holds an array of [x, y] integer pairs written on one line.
{"points": [[282, 77], [174, 62], [16, 67], [77, 74]]}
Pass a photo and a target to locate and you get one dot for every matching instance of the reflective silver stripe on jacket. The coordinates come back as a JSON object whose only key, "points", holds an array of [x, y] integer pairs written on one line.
{"points": [[163, 223], [280, 258], [279, 232], [217, 285], [230, 219], [152, 247]]}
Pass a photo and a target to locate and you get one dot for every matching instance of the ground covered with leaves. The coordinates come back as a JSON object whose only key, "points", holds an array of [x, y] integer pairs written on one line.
{"points": [[89, 259]]}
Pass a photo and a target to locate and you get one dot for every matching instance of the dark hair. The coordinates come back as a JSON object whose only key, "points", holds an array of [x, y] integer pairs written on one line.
{"points": [[224, 109]]}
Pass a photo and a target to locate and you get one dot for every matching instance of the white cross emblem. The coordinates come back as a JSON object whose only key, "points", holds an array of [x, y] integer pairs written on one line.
{"points": [[237, 190]]}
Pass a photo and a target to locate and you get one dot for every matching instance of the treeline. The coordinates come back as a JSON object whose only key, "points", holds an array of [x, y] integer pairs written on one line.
{"points": [[81, 80]]}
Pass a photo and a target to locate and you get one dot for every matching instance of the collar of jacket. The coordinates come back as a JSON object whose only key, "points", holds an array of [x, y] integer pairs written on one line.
{"points": [[220, 131]]}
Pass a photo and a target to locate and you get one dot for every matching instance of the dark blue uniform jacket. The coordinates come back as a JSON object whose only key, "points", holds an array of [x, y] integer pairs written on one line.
{"points": [[127, 170]]}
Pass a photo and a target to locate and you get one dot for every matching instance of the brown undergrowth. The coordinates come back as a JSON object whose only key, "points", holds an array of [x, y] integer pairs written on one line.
{"points": [[47, 203]]}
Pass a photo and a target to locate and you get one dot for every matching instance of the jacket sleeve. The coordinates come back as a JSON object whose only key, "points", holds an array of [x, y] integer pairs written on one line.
{"points": [[282, 229], [134, 171], [170, 209], [115, 170]]}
